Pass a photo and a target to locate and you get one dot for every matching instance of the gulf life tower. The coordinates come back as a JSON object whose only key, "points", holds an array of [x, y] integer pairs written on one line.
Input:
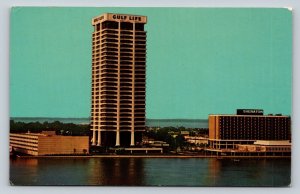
{"points": [[118, 79]]}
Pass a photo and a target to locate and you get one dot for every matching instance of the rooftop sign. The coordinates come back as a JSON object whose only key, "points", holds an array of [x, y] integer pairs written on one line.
{"points": [[119, 18], [249, 112]]}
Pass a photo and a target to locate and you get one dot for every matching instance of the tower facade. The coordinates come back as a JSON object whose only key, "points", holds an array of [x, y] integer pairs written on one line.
{"points": [[118, 79]]}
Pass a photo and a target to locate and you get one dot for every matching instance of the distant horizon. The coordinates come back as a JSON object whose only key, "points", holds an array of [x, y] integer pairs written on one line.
{"points": [[187, 123], [89, 118]]}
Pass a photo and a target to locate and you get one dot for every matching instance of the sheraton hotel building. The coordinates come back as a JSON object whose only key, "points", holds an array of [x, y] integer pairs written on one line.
{"points": [[118, 79]]}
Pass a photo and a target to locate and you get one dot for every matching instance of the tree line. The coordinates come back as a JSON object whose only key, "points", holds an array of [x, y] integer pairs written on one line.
{"points": [[57, 126], [172, 135]]}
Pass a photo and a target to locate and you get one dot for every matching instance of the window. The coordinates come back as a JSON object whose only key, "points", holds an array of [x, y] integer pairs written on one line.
{"points": [[126, 26]]}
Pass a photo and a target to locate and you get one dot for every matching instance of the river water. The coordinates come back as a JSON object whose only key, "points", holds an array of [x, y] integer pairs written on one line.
{"points": [[150, 171]]}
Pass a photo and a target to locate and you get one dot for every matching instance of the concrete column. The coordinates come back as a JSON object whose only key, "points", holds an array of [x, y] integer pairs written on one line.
{"points": [[99, 138], [118, 86], [132, 139], [94, 138], [118, 138], [133, 90]]}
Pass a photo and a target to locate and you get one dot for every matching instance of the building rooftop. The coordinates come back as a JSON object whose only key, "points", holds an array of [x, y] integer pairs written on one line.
{"points": [[273, 143], [234, 115], [119, 18]]}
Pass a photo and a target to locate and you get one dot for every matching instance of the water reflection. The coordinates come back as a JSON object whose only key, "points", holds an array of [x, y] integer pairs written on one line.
{"points": [[213, 172], [177, 172], [249, 172], [116, 171], [150, 172], [17, 168]]}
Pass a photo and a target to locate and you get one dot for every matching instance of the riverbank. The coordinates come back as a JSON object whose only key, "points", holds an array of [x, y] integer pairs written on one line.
{"points": [[157, 156]]}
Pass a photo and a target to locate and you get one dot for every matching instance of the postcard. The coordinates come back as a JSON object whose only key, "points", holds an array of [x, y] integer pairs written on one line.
{"points": [[121, 96]]}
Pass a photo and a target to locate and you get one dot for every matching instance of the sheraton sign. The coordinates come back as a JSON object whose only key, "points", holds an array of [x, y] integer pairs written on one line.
{"points": [[120, 18], [250, 112]]}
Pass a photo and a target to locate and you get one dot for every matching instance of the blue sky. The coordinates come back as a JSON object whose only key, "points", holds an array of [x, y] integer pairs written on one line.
{"points": [[199, 61]]}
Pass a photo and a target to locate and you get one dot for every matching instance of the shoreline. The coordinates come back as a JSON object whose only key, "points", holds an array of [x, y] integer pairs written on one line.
{"points": [[160, 156]]}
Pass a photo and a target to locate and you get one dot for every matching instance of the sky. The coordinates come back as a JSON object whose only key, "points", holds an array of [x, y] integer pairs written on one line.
{"points": [[200, 61]]}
